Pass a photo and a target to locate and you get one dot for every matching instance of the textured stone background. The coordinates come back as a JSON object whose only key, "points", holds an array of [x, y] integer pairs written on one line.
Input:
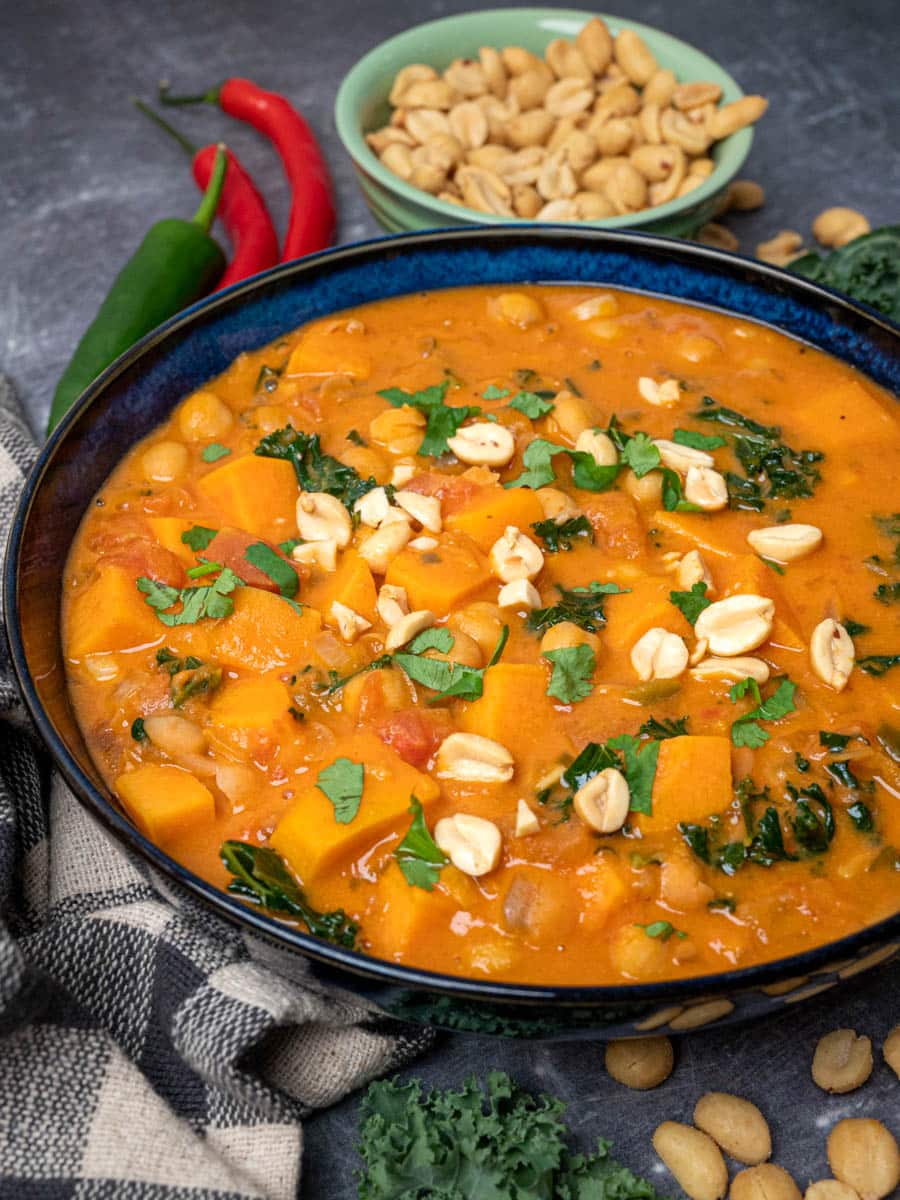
{"points": [[82, 176]]}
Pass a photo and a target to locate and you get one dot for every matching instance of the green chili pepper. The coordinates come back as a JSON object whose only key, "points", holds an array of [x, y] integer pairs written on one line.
{"points": [[175, 264]]}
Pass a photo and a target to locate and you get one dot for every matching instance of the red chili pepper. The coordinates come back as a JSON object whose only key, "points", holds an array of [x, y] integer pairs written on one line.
{"points": [[312, 221], [242, 209]]}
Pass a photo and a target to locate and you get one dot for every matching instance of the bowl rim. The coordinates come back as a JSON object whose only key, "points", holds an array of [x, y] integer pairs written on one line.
{"points": [[354, 962], [736, 146]]}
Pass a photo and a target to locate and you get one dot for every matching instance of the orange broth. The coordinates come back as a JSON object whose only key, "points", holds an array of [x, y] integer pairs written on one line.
{"points": [[701, 883]]}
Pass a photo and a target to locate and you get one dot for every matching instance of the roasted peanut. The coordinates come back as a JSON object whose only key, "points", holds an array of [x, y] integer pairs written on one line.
{"points": [[681, 458], [731, 670], [737, 624], [470, 757], [660, 88], [842, 1061], [781, 249], [692, 569], [426, 510], [603, 802], [350, 624], [693, 1158], [384, 544], [640, 1063], [494, 71], [317, 554], [519, 594], [763, 1182], [659, 654], [734, 1124], [891, 1050], [322, 517], [744, 195], [660, 395], [471, 843], [393, 604], [863, 1154], [830, 1189], [466, 76], [691, 95], [529, 128], [596, 45], [526, 200], [414, 73], [713, 234], [558, 506], [838, 226], [485, 191], [635, 57], [600, 447], [528, 90], [737, 115], [515, 556], [785, 543], [706, 488], [832, 653], [527, 822]]}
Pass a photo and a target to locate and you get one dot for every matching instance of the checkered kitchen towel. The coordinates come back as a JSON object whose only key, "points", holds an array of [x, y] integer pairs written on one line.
{"points": [[145, 1053]]}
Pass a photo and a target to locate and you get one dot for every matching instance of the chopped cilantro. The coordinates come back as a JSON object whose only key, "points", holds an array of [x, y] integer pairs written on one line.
{"points": [[214, 451], [586, 472], [211, 601], [640, 769], [418, 856], [673, 494], [491, 392], [432, 639], [691, 604], [198, 537], [746, 730], [668, 727], [641, 455], [342, 783], [531, 404], [356, 438], [315, 471], [697, 441], [204, 568], [288, 546], [662, 930], [443, 420], [281, 573], [573, 668], [583, 606], [261, 878], [560, 537]]}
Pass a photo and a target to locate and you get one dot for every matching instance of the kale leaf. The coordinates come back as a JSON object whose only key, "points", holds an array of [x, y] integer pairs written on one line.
{"points": [[315, 470], [583, 606]]}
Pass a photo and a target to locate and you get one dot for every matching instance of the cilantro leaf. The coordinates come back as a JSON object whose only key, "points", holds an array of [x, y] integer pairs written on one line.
{"points": [[673, 494], [214, 451], [531, 404], [573, 667], [342, 783], [281, 573], [560, 537], [640, 769], [198, 537], [691, 604], [662, 930], [315, 471], [261, 878], [583, 606], [446, 678], [432, 639], [492, 392], [746, 731], [287, 546], [641, 455], [668, 727], [697, 441], [211, 601], [443, 420], [418, 856], [586, 472], [740, 689]]}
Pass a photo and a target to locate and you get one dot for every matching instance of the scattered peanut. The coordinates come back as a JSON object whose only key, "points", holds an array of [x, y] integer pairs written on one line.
{"points": [[483, 444], [732, 670], [838, 226], [408, 626], [558, 506], [392, 603], [471, 843], [736, 1125], [470, 757], [598, 102], [720, 236], [863, 1154], [785, 543], [832, 653], [830, 1189], [744, 195], [602, 802], [842, 1061], [520, 593], [373, 507], [526, 820], [350, 623], [323, 518], [640, 1063], [763, 1182], [706, 488], [317, 554], [693, 1158], [424, 509], [382, 547], [661, 395], [737, 624], [515, 556], [659, 654], [692, 569], [681, 458], [781, 249]]}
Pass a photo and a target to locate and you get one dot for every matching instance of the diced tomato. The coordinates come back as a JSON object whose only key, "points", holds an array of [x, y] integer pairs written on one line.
{"points": [[453, 491], [413, 735], [617, 524], [143, 557], [229, 547]]}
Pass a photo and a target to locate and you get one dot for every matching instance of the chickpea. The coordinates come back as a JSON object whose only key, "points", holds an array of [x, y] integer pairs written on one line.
{"points": [[269, 417], [567, 635], [637, 956], [697, 348], [517, 308], [571, 416], [203, 417], [377, 692], [366, 461], [647, 490], [399, 430], [482, 622], [165, 461]]}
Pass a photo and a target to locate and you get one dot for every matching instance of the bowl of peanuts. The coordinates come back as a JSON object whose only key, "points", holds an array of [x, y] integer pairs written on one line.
{"points": [[534, 114]]}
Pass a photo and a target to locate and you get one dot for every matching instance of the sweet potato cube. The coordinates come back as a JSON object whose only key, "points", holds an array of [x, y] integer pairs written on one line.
{"points": [[442, 578], [402, 913], [167, 531], [351, 584], [265, 633], [601, 890], [705, 531], [315, 845], [165, 801], [110, 614], [485, 517], [251, 704], [254, 493], [630, 614], [326, 348], [693, 781], [516, 711]]}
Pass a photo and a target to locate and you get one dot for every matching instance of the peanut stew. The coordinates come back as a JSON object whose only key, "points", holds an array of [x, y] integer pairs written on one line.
{"points": [[549, 635]]}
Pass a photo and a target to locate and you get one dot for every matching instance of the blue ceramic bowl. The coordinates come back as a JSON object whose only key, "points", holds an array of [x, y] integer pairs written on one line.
{"points": [[143, 386]]}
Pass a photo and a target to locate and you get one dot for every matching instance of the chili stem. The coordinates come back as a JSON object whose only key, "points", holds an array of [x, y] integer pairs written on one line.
{"points": [[206, 213], [165, 96], [164, 125]]}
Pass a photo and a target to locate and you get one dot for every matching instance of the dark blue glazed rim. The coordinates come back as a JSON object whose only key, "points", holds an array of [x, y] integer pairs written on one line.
{"points": [[139, 390]]}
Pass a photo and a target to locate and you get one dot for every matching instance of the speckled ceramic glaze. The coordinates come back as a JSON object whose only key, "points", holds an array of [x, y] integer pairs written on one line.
{"points": [[140, 390], [362, 106]]}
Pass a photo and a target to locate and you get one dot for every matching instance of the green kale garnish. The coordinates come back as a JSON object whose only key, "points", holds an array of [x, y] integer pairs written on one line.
{"points": [[315, 470], [561, 537], [583, 606]]}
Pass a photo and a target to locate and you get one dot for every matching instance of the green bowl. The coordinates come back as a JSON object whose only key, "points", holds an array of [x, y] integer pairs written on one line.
{"points": [[362, 106]]}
